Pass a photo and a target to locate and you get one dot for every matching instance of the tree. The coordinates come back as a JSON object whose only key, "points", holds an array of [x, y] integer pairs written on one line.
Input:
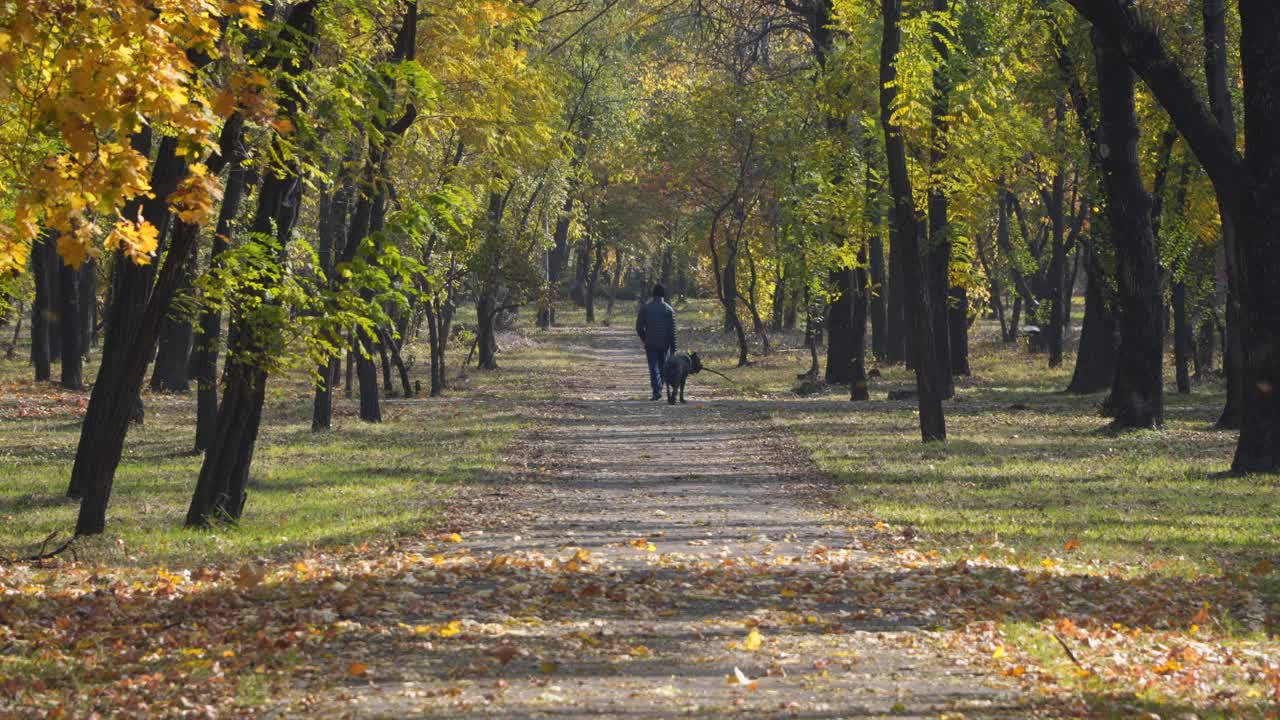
{"points": [[1247, 188], [907, 222]]}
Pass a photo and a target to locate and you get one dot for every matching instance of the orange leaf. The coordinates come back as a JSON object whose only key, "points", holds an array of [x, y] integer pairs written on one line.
{"points": [[357, 669]]}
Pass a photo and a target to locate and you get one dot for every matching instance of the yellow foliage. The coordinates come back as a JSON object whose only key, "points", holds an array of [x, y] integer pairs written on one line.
{"points": [[138, 240], [76, 81]]}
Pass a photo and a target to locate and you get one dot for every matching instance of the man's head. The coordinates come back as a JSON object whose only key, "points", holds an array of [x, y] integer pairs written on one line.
{"points": [[659, 291]]}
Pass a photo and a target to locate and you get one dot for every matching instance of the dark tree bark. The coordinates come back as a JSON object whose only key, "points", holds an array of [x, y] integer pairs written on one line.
{"points": [[932, 423], [1137, 395], [939, 248], [88, 305], [1258, 449], [1096, 354], [69, 309], [347, 388], [840, 340], [41, 307], [1215, 70], [385, 358], [486, 334], [140, 301], [858, 389], [1055, 283], [896, 327], [878, 308], [1204, 348], [1247, 190], [1003, 244], [329, 232], [593, 278], [224, 476], [53, 278], [757, 323], [170, 371], [204, 359]]}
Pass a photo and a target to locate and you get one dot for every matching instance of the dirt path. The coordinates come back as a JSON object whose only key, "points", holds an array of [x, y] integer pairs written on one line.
{"points": [[660, 562]]}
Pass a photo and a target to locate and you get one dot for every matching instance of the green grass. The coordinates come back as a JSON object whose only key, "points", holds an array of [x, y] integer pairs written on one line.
{"points": [[1026, 466], [356, 483]]}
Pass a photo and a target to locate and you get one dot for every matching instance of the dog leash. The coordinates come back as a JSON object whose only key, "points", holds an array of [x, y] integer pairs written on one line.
{"points": [[717, 372]]}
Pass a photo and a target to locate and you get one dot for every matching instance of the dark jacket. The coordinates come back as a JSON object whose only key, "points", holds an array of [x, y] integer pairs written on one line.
{"points": [[656, 325]]}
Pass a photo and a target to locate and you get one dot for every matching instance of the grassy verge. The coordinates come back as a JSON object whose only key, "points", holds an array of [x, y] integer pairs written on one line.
{"points": [[1134, 549], [354, 484]]}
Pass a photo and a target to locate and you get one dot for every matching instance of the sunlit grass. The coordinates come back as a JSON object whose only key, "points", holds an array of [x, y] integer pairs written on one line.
{"points": [[356, 483]]}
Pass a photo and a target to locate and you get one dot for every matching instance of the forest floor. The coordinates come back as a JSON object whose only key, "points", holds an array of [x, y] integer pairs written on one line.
{"points": [[595, 554]]}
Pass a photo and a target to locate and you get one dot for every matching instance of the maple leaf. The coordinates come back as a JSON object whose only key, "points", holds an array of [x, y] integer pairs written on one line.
{"points": [[138, 240]]}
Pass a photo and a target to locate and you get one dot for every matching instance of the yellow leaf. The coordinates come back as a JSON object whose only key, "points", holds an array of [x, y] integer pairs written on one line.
{"points": [[643, 544], [754, 640], [998, 652], [453, 628], [449, 537]]}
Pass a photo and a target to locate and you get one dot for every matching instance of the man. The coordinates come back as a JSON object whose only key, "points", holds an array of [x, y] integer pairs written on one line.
{"points": [[656, 326]]}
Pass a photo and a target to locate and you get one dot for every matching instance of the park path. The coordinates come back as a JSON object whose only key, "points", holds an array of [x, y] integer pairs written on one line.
{"points": [[660, 561]]}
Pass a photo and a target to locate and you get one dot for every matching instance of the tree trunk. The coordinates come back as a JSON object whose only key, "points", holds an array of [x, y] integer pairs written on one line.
{"points": [[840, 327], [896, 328], [88, 305], [1137, 395], [1220, 103], [134, 317], [858, 366], [204, 360], [593, 278], [1258, 449], [1055, 284], [41, 308], [169, 373], [367, 378], [878, 308], [932, 422], [1204, 348], [224, 476], [1182, 342], [385, 357], [72, 335], [939, 248], [1096, 354], [486, 337]]}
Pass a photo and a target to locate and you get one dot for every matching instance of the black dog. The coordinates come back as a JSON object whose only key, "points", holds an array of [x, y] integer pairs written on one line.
{"points": [[678, 369]]}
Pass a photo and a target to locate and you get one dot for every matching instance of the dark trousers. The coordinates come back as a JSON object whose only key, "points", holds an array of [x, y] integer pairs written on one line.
{"points": [[657, 358]]}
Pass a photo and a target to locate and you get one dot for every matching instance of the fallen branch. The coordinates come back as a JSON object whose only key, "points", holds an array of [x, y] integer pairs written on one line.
{"points": [[1067, 649], [42, 555]]}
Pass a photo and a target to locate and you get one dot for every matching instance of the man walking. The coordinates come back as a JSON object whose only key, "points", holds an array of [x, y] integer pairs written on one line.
{"points": [[656, 326]]}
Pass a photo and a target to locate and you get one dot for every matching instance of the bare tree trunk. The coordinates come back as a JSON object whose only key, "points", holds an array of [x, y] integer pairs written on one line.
{"points": [[932, 422], [1137, 395]]}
